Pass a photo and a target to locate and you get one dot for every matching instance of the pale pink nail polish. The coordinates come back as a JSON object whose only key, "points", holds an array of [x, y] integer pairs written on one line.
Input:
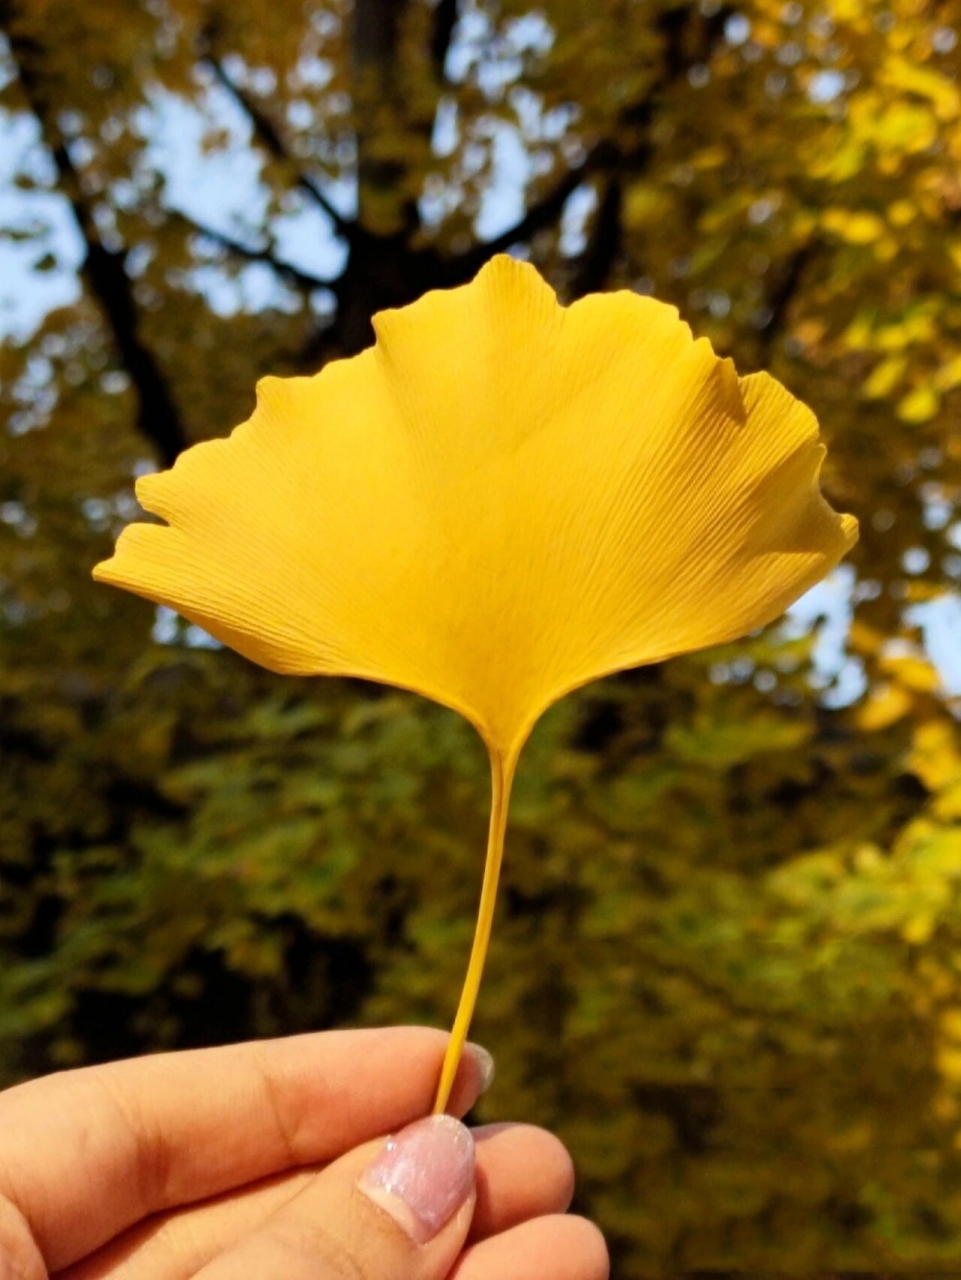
{"points": [[485, 1065], [423, 1175]]}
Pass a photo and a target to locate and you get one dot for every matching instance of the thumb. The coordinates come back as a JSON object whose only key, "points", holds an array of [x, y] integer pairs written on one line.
{"points": [[397, 1209]]}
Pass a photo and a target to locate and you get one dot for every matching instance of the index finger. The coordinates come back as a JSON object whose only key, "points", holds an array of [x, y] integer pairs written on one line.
{"points": [[86, 1153]]}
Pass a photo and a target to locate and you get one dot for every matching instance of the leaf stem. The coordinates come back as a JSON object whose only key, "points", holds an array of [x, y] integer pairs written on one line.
{"points": [[502, 775]]}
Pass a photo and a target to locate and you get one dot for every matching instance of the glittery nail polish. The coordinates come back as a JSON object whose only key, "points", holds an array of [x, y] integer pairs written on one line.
{"points": [[423, 1175]]}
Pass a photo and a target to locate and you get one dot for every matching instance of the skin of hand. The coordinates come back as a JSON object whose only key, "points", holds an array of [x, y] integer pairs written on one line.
{"points": [[306, 1158]]}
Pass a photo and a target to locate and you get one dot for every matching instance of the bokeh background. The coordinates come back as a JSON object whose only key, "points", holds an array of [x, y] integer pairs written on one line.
{"points": [[727, 962]]}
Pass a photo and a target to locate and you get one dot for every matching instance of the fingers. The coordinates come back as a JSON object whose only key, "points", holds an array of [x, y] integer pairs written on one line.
{"points": [[551, 1248], [521, 1172], [400, 1208], [86, 1153], [175, 1245]]}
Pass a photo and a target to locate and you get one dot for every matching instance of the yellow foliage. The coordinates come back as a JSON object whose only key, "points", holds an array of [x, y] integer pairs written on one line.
{"points": [[644, 204], [919, 929], [864, 638], [884, 377], [892, 129], [913, 672], [924, 82], [949, 1064], [885, 704], [902, 212], [919, 405], [949, 375], [936, 754], [854, 226]]}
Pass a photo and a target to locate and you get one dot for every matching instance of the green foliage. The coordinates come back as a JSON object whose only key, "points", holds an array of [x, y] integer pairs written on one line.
{"points": [[726, 961]]}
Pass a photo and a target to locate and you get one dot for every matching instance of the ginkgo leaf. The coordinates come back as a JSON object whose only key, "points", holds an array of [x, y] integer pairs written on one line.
{"points": [[502, 500]]}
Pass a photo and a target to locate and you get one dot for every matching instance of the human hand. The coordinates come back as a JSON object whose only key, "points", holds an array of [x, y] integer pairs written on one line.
{"points": [[265, 1161]]}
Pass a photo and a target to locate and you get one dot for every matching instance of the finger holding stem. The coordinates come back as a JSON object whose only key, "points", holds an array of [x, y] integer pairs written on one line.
{"points": [[502, 776]]}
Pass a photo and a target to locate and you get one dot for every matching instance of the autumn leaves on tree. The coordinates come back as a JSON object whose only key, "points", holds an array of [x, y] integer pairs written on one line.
{"points": [[738, 871]]}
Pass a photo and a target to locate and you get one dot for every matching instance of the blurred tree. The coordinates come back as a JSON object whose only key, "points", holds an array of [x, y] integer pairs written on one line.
{"points": [[726, 964]]}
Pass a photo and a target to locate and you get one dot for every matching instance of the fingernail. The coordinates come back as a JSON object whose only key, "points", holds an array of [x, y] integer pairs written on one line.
{"points": [[423, 1175], [485, 1065]]}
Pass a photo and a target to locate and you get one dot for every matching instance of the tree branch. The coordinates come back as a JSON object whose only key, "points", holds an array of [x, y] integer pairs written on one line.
{"points": [[104, 270], [294, 275], [386, 199], [385, 270], [779, 303], [445, 20], [682, 48], [540, 215], [603, 243], [269, 138]]}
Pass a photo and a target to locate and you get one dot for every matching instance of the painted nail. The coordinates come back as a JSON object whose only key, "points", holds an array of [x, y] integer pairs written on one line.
{"points": [[485, 1065], [423, 1175]]}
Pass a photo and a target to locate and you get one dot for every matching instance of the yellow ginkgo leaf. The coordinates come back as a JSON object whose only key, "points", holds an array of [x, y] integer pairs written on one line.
{"points": [[502, 500]]}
